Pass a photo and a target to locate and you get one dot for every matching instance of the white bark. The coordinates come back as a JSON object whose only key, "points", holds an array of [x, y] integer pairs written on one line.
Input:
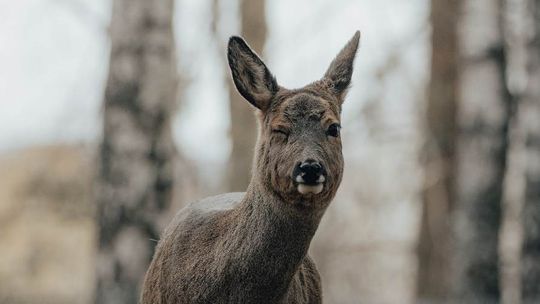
{"points": [[136, 173], [529, 114], [483, 117]]}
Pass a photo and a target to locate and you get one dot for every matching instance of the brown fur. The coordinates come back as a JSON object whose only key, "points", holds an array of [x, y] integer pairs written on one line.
{"points": [[252, 247]]}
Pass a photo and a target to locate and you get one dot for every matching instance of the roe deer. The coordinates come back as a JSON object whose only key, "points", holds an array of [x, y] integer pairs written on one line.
{"points": [[252, 247]]}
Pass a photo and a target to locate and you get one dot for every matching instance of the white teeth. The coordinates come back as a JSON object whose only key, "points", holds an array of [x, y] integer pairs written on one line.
{"points": [[321, 179], [299, 179], [305, 189]]}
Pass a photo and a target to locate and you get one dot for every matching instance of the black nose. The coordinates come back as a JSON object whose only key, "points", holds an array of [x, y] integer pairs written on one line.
{"points": [[310, 172]]}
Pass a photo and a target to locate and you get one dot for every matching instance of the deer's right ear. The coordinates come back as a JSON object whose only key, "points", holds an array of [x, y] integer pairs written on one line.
{"points": [[251, 77]]}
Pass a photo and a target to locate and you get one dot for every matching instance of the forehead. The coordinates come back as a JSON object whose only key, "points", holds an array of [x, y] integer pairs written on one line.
{"points": [[302, 105]]}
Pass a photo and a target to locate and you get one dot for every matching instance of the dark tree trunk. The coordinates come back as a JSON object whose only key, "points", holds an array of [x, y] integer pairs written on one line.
{"points": [[136, 155], [530, 118], [483, 119], [243, 124], [435, 234]]}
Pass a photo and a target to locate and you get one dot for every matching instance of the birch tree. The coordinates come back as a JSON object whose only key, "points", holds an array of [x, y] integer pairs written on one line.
{"points": [[483, 118], [136, 154], [530, 120]]}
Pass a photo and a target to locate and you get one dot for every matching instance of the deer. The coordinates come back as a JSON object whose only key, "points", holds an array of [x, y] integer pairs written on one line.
{"points": [[252, 247]]}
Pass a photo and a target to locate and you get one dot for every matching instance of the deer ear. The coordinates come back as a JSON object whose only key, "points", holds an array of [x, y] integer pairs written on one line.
{"points": [[251, 77], [340, 70]]}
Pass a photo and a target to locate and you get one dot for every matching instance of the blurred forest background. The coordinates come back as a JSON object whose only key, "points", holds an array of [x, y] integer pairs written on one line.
{"points": [[116, 113]]}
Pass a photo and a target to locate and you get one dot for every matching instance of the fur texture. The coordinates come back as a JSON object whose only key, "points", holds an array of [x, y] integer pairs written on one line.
{"points": [[252, 247]]}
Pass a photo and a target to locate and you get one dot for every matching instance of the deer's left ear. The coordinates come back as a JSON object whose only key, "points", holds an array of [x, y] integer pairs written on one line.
{"points": [[340, 70], [251, 77]]}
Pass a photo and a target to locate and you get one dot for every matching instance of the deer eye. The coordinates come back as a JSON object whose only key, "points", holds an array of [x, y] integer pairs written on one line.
{"points": [[281, 132], [333, 130]]}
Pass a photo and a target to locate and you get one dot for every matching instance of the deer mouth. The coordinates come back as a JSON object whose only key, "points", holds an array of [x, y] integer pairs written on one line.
{"points": [[309, 188]]}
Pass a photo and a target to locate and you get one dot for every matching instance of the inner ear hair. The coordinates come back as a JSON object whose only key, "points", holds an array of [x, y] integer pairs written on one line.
{"points": [[340, 70], [251, 77]]}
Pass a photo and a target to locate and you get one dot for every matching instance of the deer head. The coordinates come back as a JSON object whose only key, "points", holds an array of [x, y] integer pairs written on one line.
{"points": [[298, 152]]}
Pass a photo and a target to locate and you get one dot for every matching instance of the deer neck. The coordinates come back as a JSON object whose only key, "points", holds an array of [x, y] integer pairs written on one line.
{"points": [[273, 240]]}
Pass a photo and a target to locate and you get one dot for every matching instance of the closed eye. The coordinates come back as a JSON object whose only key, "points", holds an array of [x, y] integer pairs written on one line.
{"points": [[281, 132]]}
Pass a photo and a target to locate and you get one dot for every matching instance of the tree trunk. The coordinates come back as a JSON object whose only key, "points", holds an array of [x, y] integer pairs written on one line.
{"points": [[243, 124], [434, 245], [530, 118], [136, 155], [483, 118]]}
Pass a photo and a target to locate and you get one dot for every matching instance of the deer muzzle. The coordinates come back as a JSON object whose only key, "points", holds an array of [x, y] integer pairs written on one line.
{"points": [[309, 177]]}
